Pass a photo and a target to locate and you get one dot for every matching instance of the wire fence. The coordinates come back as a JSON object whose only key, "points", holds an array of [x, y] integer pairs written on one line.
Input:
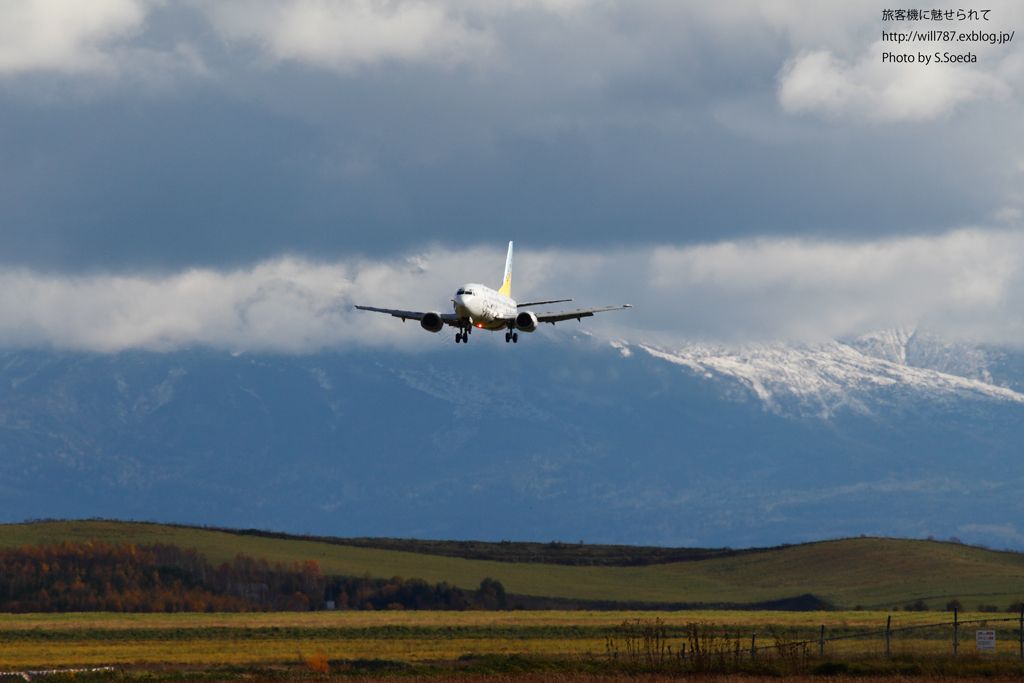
{"points": [[650, 641], [932, 638]]}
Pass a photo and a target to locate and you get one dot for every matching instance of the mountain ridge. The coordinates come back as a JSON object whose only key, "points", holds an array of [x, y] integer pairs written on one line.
{"points": [[568, 437]]}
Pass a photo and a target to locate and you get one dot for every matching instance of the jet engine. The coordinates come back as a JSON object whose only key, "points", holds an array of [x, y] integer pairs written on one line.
{"points": [[525, 321], [432, 322]]}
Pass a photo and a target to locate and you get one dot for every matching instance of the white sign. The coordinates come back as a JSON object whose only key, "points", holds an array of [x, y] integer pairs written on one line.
{"points": [[985, 640]]}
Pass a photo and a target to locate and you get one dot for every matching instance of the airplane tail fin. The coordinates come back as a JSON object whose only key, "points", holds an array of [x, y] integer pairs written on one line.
{"points": [[506, 284]]}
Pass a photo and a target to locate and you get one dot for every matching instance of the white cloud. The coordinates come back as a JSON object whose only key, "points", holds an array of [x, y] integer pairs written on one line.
{"points": [[835, 66], [345, 33], [967, 284], [828, 56], [819, 82], [287, 304], [64, 35], [97, 41]]}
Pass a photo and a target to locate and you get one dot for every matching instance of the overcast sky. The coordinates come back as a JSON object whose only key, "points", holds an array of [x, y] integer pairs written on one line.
{"points": [[237, 173]]}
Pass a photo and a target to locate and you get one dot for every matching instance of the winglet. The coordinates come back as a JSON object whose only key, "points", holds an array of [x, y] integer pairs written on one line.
{"points": [[506, 284]]}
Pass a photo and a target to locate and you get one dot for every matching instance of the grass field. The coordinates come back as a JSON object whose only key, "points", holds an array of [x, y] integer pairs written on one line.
{"points": [[37, 641], [872, 572]]}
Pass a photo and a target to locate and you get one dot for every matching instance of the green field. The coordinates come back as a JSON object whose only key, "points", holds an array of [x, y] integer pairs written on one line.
{"points": [[875, 573]]}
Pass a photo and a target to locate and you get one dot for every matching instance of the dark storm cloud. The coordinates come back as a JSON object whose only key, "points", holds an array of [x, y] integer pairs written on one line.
{"points": [[163, 135]]}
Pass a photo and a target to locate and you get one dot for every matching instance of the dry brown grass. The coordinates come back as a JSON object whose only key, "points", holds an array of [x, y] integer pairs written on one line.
{"points": [[437, 641], [574, 677], [360, 619]]}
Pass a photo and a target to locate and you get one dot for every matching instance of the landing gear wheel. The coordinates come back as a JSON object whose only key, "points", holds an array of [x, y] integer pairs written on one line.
{"points": [[458, 337], [465, 337], [508, 336], [515, 338]]}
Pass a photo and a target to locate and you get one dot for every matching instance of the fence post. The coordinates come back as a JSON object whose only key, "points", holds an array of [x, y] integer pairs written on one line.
{"points": [[753, 646], [821, 643], [956, 634], [888, 630], [1021, 632]]}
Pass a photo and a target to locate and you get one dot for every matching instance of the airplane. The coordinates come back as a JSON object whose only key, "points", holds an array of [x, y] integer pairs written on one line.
{"points": [[480, 307]]}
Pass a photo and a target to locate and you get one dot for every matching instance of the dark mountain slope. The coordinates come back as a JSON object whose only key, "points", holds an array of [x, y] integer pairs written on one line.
{"points": [[542, 441]]}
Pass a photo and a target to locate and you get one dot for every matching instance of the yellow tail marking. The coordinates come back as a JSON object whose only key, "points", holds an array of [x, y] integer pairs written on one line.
{"points": [[506, 286]]}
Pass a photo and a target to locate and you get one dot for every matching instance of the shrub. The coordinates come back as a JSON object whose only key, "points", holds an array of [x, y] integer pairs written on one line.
{"points": [[317, 662], [831, 669]]}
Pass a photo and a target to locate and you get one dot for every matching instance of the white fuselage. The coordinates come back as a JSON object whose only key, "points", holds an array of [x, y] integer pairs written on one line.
{"points": [[484, 307]]}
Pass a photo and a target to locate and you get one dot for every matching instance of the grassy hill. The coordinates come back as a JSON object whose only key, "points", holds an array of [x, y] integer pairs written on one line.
{"points": [[872, 572]]}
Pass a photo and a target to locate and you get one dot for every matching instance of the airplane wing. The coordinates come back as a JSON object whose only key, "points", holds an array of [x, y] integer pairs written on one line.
{"points": [[580, 313], [447, 318]]}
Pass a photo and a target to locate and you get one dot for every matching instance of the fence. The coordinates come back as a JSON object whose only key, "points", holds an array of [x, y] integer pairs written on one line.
{"points": [[650, 641], [889, 633]]}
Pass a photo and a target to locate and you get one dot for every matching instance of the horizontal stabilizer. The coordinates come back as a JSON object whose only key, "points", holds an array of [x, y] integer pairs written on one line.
{"points": [[541, 303]]}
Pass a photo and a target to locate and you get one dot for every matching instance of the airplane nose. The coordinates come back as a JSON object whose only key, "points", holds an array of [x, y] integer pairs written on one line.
{"points": [[460, 307]]}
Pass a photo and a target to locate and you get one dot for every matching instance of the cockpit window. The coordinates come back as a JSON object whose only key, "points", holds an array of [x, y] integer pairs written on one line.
{"points": [[469, 292], [461, 291]]}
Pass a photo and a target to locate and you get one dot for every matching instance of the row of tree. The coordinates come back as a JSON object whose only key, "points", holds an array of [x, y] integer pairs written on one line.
{"points": [[97, 576], [350, 592], [100, 577]]}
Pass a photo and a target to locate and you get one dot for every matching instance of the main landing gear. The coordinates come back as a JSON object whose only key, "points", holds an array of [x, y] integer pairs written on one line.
{"points": [[463, 334]]}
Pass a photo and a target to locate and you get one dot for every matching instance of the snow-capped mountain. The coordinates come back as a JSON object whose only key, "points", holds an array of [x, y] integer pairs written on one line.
{"points": [[923, 349], [874, 373]]}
